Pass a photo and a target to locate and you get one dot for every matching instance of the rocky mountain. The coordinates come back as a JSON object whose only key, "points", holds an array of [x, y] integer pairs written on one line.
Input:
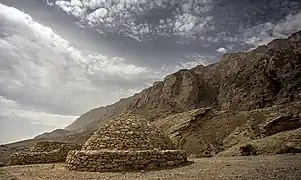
{"points": [[259, 78], [207, 109]]}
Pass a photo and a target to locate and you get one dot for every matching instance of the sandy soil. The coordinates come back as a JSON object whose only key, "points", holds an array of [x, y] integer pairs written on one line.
{"points": [[279, 167]]}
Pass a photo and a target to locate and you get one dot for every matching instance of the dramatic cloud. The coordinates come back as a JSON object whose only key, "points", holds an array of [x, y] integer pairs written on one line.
{"points": [[206, 23], [35, 62], [146, 18], [45, 80], [264, 33]]}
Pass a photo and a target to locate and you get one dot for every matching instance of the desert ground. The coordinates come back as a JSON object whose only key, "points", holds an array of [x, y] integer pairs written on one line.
{"points": [[276, 167]]}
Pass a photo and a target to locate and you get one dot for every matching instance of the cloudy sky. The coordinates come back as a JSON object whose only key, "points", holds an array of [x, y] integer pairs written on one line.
{"points": [[61, 58]]}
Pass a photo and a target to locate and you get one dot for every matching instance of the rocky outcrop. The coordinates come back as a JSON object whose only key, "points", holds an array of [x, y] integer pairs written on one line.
{"points": [[268, 79], [124, 144], [284, 142], [177, 93], [281, 124], [206, 132]]}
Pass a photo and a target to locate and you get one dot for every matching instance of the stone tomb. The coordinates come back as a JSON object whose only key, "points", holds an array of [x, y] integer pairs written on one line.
{"points": [[124, 144], [44, 152]]}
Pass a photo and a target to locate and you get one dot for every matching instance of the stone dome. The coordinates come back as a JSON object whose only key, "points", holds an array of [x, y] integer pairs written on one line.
{"points": [[128, 133], [124, 144]]}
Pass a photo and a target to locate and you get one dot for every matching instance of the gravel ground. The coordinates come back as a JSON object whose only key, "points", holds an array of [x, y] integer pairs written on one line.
{"points": [[279, 167]]}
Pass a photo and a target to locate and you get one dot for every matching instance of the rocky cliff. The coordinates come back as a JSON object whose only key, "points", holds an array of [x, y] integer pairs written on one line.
{"points": [[207, 109], [260, 78]]}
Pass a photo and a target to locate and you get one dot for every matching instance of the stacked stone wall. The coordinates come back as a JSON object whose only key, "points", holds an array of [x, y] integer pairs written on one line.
{"points": [[129, 133], [47, 146], [34, 158], [49, 155], [124, 144], [123, 160]]}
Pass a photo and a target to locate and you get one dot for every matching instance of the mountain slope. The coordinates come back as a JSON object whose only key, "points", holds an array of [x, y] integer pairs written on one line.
{"points": [[206, 109], [206, 132], [260, 78]]}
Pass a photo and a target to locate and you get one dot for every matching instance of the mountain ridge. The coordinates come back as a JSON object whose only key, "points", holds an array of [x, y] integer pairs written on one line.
{"points": [[199, 82], [208, 109]]}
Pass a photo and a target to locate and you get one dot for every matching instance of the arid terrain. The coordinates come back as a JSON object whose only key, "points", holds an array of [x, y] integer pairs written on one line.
{"points": [[277, 167], [150, 90], [247, 104], [207, 109]]}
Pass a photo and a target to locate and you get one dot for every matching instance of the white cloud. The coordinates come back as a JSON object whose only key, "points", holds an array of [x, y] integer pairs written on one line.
{"points": [[7, 102], [189, 24], [222, 50], [122, 16], [44, 69], [52, 83], [292, 23], [186, 7], [266, 32], [13, 110], [38, 117]]}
